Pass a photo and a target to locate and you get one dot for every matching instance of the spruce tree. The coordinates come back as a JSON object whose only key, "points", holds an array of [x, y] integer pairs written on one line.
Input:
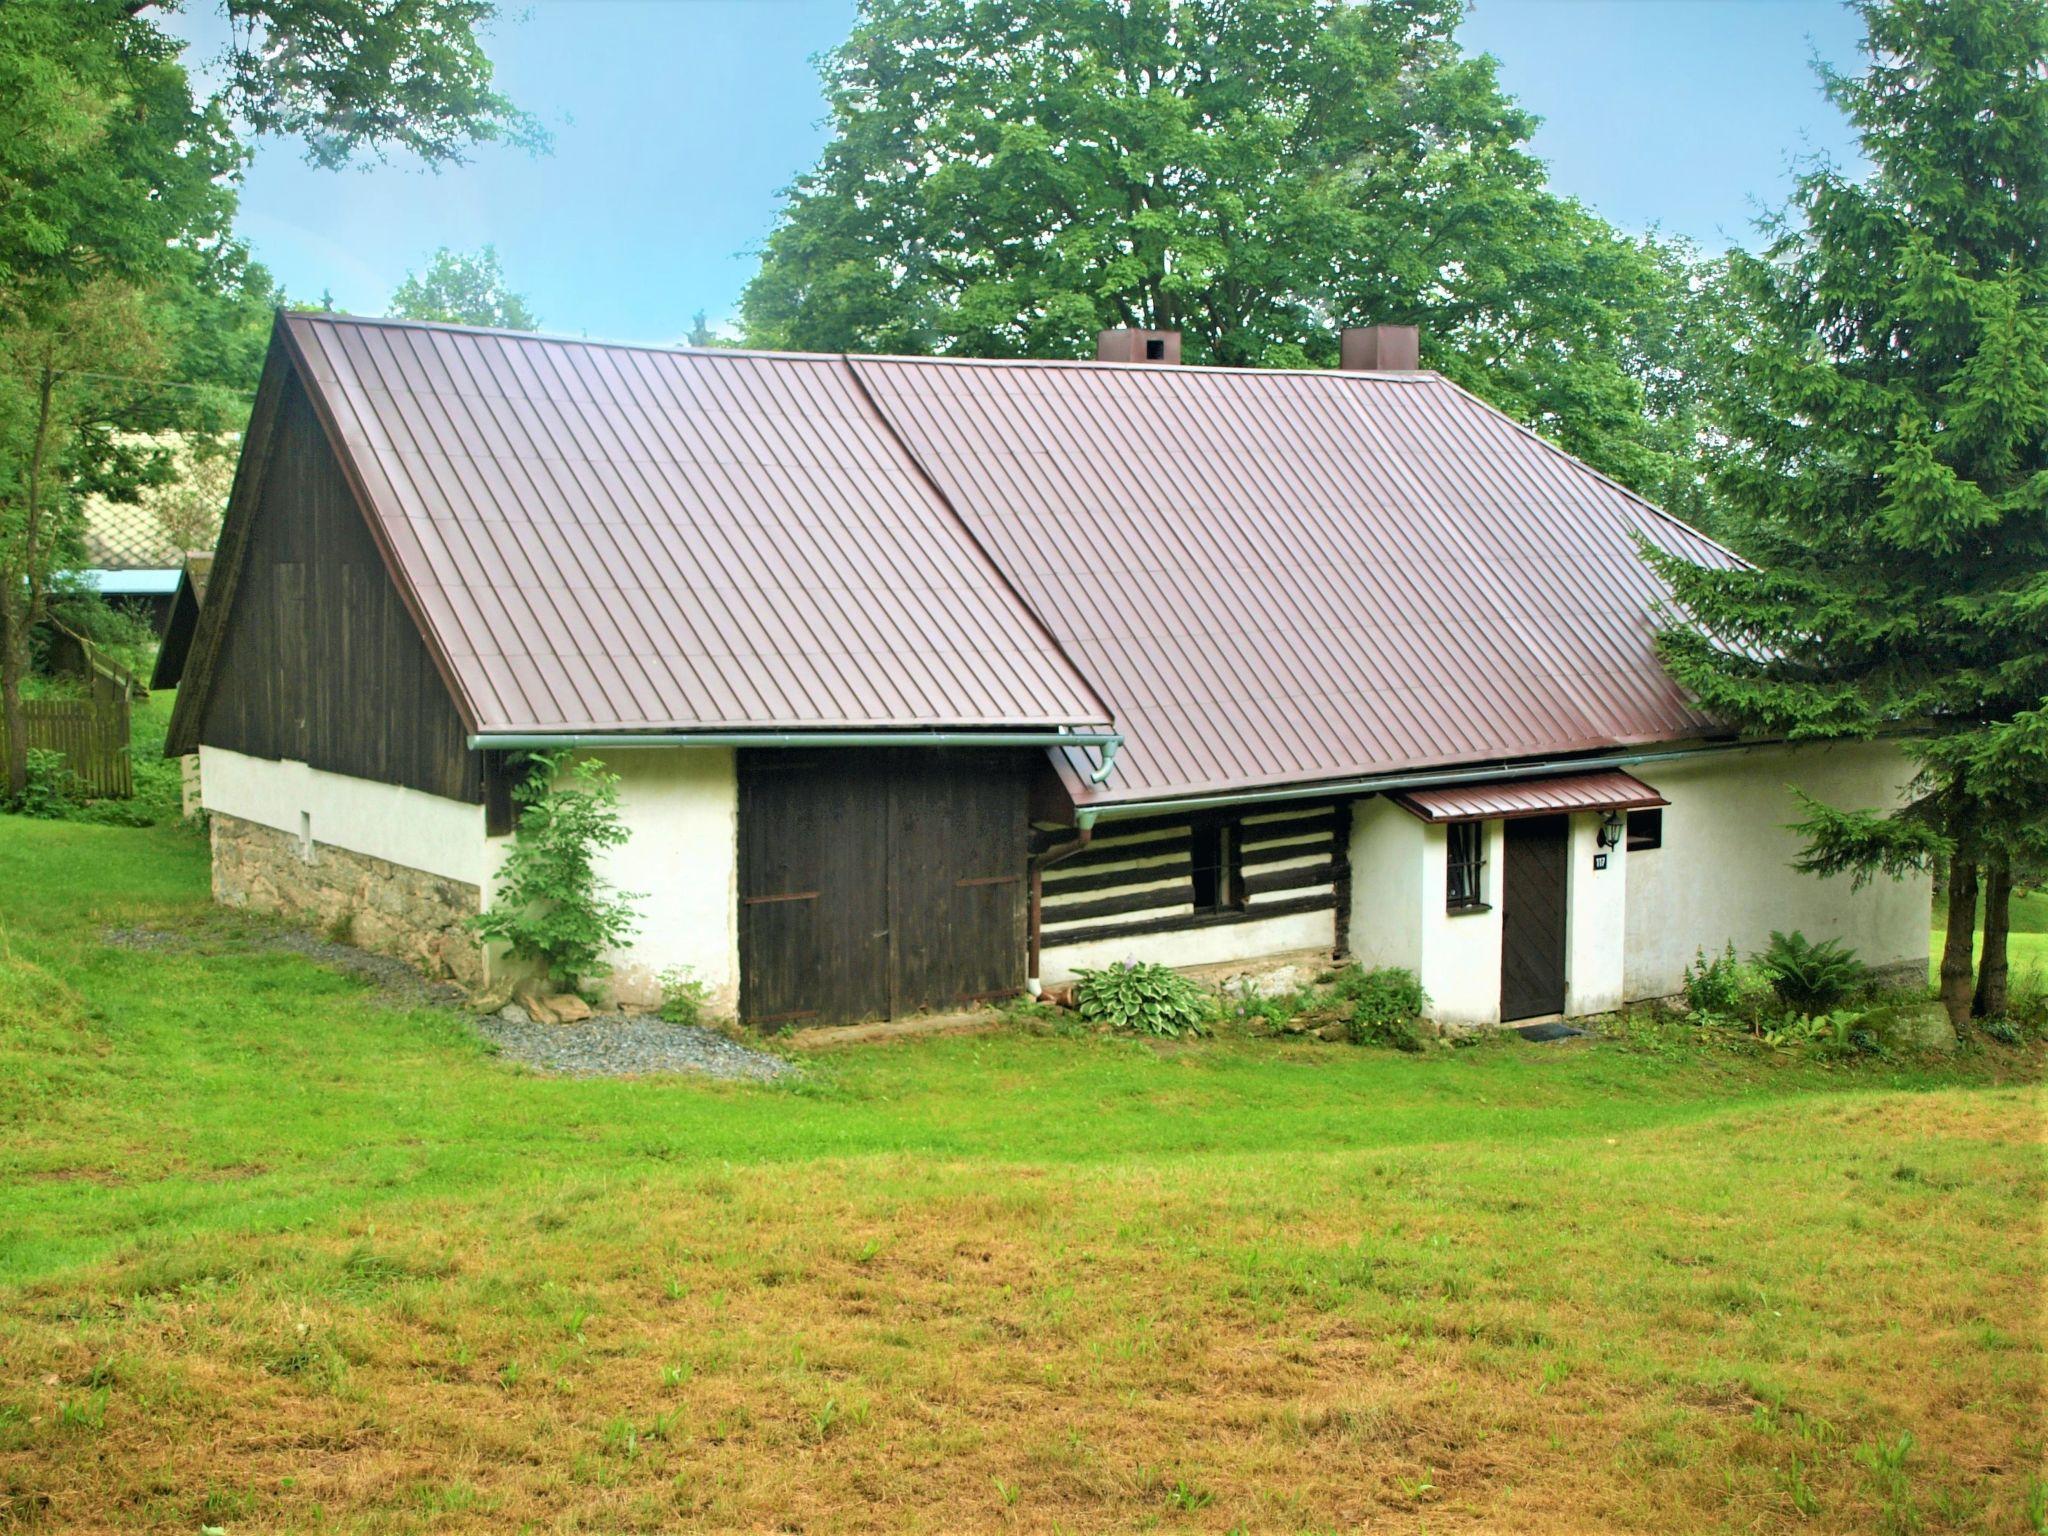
{"points": [[1885, 464]]}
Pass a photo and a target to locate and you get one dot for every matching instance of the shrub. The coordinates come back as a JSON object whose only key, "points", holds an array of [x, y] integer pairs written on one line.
{"points": [[1144, 998], [1383, 1006], [1713, 988], [51, 793], [552, 905], [683, 995], [1810, 977]]}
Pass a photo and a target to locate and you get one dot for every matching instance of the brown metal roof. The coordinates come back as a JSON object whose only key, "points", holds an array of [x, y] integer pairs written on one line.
{"points": [[619, 538], [1262, 577], [1509, 798], [1280, 576]]}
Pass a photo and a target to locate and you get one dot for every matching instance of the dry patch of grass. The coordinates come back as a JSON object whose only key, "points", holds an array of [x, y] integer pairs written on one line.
{"points": [[274, 1257]]}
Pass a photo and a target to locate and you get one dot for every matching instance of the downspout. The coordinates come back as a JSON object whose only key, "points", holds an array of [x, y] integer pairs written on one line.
{"points": [[1038, 867]]}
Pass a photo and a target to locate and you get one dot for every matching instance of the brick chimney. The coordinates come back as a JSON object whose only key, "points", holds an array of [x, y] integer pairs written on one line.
{"points": [[1134, 346], [1380, 348]]}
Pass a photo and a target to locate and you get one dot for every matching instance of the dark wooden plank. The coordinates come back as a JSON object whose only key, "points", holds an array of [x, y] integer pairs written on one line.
{"points": [[1176, 895], [316, 658], [1255, 834], [1126, 930], [1059, 883], [1293, 879]]}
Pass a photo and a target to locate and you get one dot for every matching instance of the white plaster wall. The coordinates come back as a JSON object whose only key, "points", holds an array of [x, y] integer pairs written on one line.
{"points": [[1725, 872], [1223, 944], [1596, 920], [402, 826], [681, 805], [1386, 885], [1460, 950], [1398, 916]]}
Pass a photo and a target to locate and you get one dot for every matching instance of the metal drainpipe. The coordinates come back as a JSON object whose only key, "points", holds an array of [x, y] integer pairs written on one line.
{"points": [[1038, 868]]}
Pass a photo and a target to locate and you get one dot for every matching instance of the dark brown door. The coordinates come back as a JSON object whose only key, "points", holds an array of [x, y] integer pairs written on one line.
{"points": [[1533, 876], [878, 882], [814, 914]]}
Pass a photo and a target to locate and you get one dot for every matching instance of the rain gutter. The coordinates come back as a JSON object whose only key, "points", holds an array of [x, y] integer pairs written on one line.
{"points": [[1105, 742], [1085, 817]]}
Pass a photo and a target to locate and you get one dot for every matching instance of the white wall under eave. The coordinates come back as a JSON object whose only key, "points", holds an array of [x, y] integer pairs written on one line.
{"points": [[1398, 916], [402, 826], [1596, 920], [681, 807], [1725, 872]]}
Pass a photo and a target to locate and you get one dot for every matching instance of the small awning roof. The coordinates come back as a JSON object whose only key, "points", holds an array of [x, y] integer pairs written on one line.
{"points": [[1507, 798]]}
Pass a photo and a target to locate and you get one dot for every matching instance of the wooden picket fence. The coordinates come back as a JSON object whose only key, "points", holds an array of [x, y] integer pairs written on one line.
{"points": [[91, 732]]}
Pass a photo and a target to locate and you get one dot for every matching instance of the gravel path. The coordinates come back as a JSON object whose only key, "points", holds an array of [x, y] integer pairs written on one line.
{"points": [[605, 1045], [627, 1045]]}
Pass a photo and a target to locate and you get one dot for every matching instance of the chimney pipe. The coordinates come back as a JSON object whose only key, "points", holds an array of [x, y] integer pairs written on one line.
{"points": [[1380, 348], [1134, 346]]}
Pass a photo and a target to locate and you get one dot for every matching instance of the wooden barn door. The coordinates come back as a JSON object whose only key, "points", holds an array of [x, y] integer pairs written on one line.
{"points": [[958, 838], [878, 882], [1532, 930], [814, 913]]}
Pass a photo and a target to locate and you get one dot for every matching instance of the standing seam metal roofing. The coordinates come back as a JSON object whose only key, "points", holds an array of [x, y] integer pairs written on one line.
{"points": [[607, 538], [1266, 577], [1612, 790], [1282, 577]]}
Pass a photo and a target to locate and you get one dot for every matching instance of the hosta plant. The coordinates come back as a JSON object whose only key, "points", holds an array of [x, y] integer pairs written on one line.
{"points": [[1144, 998]]}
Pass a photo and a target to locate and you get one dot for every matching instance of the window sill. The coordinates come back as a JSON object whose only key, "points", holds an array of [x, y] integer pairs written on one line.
{"points": [[1468, 909]]}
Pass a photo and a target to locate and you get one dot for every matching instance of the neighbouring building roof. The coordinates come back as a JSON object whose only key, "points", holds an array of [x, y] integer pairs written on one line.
{"points": [[1262, 577], [1507, 799], [126, 536], [607, 538]]}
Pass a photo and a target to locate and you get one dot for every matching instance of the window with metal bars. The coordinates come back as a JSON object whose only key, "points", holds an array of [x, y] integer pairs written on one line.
{"points": [[1465, 867]]}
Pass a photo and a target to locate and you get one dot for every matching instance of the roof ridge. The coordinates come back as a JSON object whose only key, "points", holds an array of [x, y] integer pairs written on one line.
{"points": [[766, 354]]}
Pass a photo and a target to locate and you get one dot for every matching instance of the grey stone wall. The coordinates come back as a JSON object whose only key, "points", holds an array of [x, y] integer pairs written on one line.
{"points": [[370, 902]]}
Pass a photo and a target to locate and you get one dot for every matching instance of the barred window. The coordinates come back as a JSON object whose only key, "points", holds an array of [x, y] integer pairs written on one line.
{"points": [[1465, 882]]}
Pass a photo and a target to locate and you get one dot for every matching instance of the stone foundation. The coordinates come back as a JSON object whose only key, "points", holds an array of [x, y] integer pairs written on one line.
{"points": [[368, 902]]}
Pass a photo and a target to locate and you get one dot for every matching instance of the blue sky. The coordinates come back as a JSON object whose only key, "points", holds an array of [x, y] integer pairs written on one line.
{"points": [[678, 122]]}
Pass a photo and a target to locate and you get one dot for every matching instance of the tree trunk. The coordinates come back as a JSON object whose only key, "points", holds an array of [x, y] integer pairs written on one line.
{"points": [[1990, 1002], [13, 722], [1962, 933]]}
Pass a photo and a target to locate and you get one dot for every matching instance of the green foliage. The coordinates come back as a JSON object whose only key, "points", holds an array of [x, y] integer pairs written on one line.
{"points": [[463, 290], [52, 789], [552, 906], [1810, 977], [1881, 403], [1713, 986], [365, 77], [1144, 998], [1382, 1006], [1005, 180], [683, 995]]}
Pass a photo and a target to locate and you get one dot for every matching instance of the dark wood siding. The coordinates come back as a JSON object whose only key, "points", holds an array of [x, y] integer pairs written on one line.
{"points": [[877, 882], [1138, 877], [319, 660], [1533, 878]]}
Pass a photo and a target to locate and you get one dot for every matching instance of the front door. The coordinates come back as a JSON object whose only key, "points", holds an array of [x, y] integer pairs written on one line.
{"points": [[1532, 929], [876, 882]]}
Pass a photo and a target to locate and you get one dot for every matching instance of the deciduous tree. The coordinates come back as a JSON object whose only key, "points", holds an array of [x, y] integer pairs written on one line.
{"points": [[463, 290], [1005, 180]]}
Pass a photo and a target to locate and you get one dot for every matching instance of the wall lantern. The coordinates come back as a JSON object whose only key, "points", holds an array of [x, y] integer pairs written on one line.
{"points": [[1612, 828]]}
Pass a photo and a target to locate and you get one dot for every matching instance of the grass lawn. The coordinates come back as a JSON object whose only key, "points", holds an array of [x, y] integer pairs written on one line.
{"points": [[277, 1257]]}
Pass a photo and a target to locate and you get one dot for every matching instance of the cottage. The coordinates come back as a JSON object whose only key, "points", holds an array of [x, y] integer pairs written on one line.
{"points": [[930, 679]]}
